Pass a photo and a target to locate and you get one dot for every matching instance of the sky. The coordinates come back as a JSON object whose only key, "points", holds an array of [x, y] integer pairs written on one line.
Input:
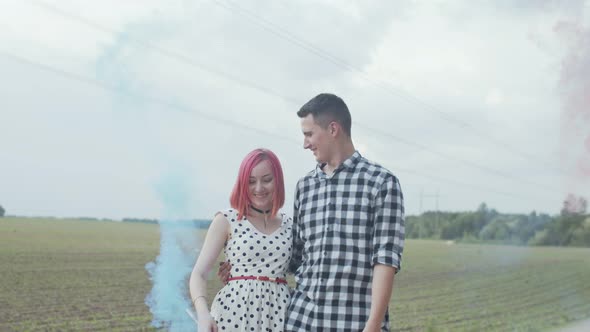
{"points": [[114, 109]]}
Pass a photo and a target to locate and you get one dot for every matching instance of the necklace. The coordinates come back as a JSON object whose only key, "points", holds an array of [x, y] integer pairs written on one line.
{"points": [[263, 212]]}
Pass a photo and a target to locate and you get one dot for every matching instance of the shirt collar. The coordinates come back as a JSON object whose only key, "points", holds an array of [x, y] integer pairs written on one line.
{"points": [[348, 163]]}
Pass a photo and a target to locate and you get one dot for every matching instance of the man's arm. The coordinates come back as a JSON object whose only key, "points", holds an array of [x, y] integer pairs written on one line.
{"points": [[389, 224], [388, 242], [296, 254], [381, 290]]}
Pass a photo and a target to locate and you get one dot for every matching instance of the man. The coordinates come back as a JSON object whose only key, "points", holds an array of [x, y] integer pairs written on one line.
{"points": [[348, 230], [348, 233]]}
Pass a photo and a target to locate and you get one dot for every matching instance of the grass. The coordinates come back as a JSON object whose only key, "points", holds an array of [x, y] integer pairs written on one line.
{"points": [[468, 287], [75, 275]]}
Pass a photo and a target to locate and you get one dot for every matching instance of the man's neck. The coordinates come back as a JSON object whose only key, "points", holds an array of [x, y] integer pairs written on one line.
{"points": [[344, 152]]}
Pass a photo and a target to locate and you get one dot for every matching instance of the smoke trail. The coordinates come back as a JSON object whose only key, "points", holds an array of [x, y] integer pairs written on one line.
{"points": [[121, 64], [574, 87], [169, 299]]}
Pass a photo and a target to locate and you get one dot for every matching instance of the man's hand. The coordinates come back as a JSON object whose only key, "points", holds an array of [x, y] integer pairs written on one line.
{"points": [[224, 271], [372, 326]]}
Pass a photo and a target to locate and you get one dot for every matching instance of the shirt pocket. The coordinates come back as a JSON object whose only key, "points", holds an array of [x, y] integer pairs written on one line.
{"points": [[353, 217], [311, 221]]}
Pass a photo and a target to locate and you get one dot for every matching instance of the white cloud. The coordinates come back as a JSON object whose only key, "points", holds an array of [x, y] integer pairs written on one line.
{"points": [[460, 78]]}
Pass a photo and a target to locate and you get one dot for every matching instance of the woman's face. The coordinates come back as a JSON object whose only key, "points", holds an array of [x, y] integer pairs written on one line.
{"points": [[262, 186]]}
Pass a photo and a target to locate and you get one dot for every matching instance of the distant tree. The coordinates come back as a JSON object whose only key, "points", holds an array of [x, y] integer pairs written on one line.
{"points": [[141, 220], [581, 235], [568, 229], [527, 226], [482, 217], [574, 205], [2, 211], [429, 224], [496, 230], [459, 227]]}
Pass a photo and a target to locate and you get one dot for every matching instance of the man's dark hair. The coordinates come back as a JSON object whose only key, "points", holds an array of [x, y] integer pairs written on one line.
{"points": [[327, 108]]}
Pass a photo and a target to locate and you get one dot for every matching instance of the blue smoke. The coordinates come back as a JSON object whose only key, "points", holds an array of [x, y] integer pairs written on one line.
{"points": [[169, 273], [179, 239]]}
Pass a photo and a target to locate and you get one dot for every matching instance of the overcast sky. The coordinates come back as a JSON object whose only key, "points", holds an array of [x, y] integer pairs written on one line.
{"points": [[146, 108]]}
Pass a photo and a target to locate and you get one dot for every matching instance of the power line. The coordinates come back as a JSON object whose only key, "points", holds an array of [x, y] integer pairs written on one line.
{"points": [[464, 184], [284, 34], [435, 196], [461, 160], [158, 101], [189, 61], [165, 52], [150, 99]]}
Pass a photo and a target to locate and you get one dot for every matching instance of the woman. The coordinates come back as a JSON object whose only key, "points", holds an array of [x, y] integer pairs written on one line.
{"points": [[256, 239]]}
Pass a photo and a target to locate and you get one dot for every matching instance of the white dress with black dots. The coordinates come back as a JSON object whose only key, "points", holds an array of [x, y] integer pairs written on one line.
{"points": [[254, 305]]}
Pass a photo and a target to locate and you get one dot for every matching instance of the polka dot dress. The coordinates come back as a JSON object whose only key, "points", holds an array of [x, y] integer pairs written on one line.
{"points": [[254, 305]]}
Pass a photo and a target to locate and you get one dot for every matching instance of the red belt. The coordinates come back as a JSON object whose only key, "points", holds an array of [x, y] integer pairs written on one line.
{"points": [[261, 278]]}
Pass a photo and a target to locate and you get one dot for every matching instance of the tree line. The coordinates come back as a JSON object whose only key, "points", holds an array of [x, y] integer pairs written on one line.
{"points": [[570, 228]]}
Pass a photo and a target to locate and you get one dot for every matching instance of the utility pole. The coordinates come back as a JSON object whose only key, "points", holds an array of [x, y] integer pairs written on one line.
{"points": [[436, 197], [421, 196]]}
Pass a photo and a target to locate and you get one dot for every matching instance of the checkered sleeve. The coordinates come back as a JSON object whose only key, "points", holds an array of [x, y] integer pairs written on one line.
{"points": [[389, 229], [297, 252]]}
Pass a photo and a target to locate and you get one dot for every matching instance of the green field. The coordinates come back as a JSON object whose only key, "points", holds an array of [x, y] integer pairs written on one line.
{"points": [[61, 275]]}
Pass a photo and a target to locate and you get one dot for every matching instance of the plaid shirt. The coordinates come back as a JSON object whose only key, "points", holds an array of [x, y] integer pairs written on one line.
{"points": [[343, 224]]}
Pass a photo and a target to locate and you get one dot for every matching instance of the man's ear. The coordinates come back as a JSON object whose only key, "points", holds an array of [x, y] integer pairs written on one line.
{"points": [[334, 128]]}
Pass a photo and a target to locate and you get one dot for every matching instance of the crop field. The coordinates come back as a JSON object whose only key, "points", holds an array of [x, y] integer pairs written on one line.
{"points": [[70, 275]]}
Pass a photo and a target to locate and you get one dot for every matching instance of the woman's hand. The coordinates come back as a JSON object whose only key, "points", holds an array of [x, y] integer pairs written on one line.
{"points": [[207, 323]]}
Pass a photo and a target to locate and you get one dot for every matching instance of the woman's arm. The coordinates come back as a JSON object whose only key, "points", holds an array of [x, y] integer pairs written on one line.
{"points": [[217, 235]]}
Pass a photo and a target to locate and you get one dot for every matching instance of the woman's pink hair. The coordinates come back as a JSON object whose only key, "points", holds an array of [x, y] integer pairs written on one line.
{"points": [[240, 198]]}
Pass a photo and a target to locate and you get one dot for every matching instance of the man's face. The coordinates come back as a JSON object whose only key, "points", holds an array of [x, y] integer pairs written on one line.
{"points": [[316, 138]]}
